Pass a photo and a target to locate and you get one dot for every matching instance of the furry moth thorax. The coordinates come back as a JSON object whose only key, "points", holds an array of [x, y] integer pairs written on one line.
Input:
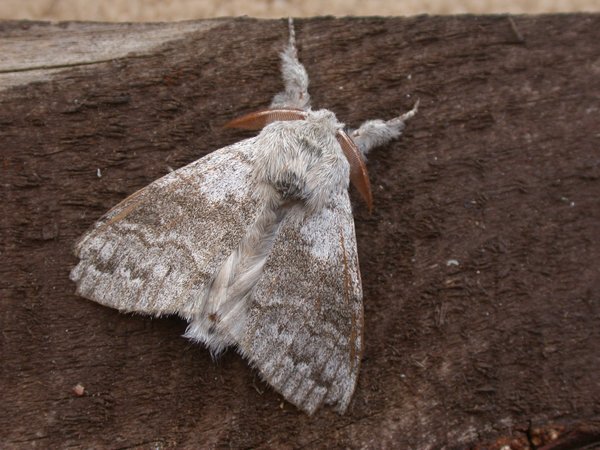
{"points": [[302, 160], [253, 245]]}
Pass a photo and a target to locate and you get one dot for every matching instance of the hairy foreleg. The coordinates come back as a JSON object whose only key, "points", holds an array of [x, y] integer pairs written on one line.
{"points": [[374, 133], [295, 78]]}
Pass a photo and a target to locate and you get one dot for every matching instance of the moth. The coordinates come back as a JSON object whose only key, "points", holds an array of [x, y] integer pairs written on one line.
{"points": [[253, 245]]}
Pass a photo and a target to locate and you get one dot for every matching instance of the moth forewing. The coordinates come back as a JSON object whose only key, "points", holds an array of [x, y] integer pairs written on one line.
{"points": [[156, 252], [305, 324]]}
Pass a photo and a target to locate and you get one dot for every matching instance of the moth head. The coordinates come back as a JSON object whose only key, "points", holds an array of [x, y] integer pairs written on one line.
{"points": [[359, 176]]}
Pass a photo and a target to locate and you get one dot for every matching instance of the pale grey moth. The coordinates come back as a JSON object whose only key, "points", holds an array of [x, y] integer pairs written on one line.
{"points": [[253, 245]]}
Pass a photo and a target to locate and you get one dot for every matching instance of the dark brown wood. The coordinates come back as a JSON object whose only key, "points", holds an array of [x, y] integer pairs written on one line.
{"points": [[479, 262]]}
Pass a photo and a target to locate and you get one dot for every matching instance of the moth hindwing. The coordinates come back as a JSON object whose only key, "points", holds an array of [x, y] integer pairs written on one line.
{"points": [[253, 245]]}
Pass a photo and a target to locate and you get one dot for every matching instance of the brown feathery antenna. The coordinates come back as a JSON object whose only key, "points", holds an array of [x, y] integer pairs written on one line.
{"points": [[259, 119], [359, 177]]}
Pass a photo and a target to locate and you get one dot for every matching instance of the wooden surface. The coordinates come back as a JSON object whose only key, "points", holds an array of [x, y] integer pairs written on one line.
{"points": [[479, 263]]}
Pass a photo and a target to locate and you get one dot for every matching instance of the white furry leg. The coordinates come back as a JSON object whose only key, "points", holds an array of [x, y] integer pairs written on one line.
{"points": [[374, 133], [222, 320], [294, 76]]}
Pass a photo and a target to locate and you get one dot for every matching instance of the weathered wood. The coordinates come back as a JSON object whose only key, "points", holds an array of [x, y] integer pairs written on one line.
{"points": [[480, 261]]}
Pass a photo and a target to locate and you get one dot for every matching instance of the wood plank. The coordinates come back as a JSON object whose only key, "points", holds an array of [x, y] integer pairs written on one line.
{"points": [[479, 262]]}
